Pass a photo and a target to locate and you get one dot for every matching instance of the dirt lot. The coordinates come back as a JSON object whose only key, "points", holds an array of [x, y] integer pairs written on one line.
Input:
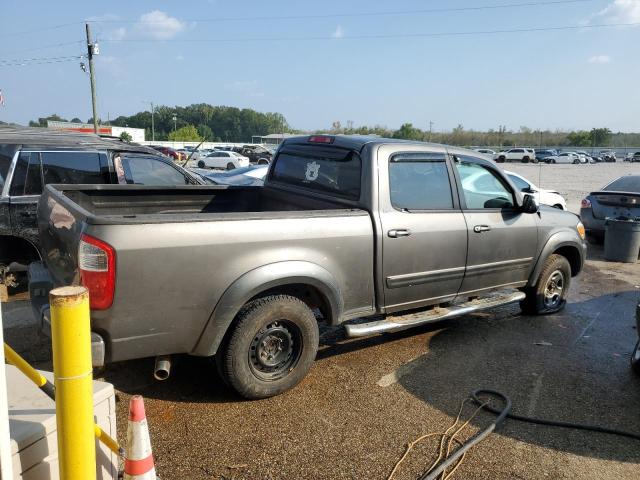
{"points": [[365, 399]]}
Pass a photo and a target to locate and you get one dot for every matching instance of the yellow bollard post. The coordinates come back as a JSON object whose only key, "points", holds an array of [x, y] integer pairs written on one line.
{"points": [[73, 379]]}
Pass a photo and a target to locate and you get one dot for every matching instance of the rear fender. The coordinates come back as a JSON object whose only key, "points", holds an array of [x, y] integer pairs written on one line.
{"points": [[260, 280]]}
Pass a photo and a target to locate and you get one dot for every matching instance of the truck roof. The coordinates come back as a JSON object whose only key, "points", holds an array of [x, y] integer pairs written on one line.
{"points": [[32, 137], [352, 142]]}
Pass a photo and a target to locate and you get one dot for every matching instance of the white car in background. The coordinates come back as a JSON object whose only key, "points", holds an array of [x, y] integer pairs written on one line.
{"points": [[564, 157], [221, 160], [519, 154], [542, 196]]}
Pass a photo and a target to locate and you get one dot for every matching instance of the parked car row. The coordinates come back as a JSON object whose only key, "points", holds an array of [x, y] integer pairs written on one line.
{"points": [[526, 155]]}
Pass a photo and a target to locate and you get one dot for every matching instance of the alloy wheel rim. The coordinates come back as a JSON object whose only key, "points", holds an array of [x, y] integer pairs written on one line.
{"points": [[554, 289]]}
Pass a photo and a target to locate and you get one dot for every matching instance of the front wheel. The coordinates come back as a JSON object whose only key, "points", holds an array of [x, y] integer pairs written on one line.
{"points": [[201, 164], [525, 160], [230, 166], [549, 293], [263, 161], [271, 347]]}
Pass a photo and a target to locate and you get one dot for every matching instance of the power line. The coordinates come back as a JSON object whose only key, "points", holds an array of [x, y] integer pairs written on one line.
{"points": [[38, 61], [44, 47], [37, 30], [360, 14], [378, 36]]}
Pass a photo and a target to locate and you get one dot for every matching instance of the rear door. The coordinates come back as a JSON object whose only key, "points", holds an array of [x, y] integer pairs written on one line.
{"points": [[503, 241], [424, 234]]}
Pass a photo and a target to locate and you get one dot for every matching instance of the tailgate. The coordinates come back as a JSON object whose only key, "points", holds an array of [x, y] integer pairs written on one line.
{"points": [[60, 225]]}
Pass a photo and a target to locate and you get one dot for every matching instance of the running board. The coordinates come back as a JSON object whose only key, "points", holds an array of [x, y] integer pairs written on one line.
{"points": [[396, 323]]}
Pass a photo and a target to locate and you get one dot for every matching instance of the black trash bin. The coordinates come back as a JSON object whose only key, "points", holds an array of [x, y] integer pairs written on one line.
{"points": [[622, 239]]}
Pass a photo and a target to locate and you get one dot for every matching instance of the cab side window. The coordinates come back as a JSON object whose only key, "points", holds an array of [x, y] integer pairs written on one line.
{"points": [[420, 182], [27, 176], [71, 167], [151, 171], [482, 188]]}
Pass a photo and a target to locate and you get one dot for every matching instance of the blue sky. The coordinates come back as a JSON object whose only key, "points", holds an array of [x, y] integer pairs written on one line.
{"points": [[314, 72]]}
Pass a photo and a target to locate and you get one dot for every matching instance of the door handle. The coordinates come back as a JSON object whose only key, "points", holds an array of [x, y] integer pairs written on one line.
{"points": [[399, 232], [481, 228]]}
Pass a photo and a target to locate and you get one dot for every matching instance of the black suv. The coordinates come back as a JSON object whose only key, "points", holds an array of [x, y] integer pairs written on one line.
{"points": [[33, 157]]}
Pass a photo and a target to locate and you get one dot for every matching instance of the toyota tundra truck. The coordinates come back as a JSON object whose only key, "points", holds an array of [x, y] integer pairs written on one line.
{"points": [[393, 233]]}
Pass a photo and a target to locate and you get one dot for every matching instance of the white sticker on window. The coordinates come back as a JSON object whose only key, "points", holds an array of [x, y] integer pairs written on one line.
{"points": [[313, 169]]}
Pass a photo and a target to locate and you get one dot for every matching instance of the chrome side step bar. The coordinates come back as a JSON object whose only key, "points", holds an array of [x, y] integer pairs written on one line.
{"points": [[396, 323]]}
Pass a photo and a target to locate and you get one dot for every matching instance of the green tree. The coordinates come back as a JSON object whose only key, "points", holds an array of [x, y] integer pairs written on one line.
{"points": [[205, 132], [125, 137], [579, 139], [409, 132], [599, 136], [42, 121], [188, 133]]}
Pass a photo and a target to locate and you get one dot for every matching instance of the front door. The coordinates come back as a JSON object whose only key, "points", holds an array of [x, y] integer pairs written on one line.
{"points": [[424, 234], [503, 241]]}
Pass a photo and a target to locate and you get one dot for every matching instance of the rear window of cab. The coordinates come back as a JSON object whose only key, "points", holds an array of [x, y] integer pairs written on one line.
{"points": [[333, 171]]}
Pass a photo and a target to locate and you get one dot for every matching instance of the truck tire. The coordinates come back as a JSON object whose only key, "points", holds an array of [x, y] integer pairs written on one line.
{"points": [[230, 166], [549, 293], [271, 348]]}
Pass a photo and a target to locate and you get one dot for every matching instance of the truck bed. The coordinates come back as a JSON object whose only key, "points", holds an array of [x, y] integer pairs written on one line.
{"points": [[117, 204], [179, 250]]}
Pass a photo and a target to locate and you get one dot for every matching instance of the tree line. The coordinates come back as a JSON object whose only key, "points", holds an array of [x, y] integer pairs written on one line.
{"points": [[229, 124], [196, 122], [500, 137]]}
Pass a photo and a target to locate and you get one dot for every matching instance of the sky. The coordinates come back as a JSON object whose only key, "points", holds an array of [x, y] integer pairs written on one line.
{"points": [[368, 62]]}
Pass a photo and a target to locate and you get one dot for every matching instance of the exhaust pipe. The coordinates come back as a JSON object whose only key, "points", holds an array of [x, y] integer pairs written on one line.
{"points": [[163, 367]]}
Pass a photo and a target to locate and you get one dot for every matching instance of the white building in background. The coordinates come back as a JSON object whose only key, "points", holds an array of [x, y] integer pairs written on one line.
{"points": [[137, 134]]}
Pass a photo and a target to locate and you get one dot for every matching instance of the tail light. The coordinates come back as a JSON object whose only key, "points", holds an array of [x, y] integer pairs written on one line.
{"points": [[97, 263], [321, 139], [585, 203]]}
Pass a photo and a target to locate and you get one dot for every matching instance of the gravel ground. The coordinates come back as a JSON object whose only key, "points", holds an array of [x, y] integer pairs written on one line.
{"points": [[573, 181], [364, 399]]}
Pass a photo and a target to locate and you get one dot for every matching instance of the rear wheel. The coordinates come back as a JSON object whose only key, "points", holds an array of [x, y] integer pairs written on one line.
{"points": [[271, 348], [501, 159], [525, 160], [549, 293], [201, 164], [263, 161], [230, 166]]}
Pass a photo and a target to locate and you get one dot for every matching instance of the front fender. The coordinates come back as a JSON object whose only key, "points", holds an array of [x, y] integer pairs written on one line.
{"points": [[564, 238], [259, 280]]}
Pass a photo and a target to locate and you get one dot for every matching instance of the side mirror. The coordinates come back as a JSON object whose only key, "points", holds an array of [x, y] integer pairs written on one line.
{"points": [[529, 204]]}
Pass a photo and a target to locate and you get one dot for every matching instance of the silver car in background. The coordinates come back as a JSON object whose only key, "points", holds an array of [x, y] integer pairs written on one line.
{"points": [[620, 198]]}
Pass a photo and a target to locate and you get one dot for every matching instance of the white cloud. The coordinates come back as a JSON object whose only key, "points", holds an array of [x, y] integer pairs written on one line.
{"points": [[620, 11], [600, 59], [338, 32], [159, 26], [180, 58], [116, 34]]}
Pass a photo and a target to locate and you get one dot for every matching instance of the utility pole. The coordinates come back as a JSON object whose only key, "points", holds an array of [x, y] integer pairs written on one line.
{"points": [[175, 119], [153, 125], [92, 49], [430, 129]]}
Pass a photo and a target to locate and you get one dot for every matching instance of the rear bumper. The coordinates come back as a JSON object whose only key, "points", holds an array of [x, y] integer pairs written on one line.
{"points": [[40, 283], [591, 223]]}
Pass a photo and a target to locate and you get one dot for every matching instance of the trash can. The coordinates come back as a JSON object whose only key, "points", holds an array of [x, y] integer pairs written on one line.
{"points": [[622, 239]]}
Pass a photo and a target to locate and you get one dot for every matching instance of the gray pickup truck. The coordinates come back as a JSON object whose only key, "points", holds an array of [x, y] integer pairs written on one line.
{"points": [[345, 227]]}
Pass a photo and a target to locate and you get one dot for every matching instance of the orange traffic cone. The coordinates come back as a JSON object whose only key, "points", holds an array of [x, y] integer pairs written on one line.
{"points": [[138, 463]]}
